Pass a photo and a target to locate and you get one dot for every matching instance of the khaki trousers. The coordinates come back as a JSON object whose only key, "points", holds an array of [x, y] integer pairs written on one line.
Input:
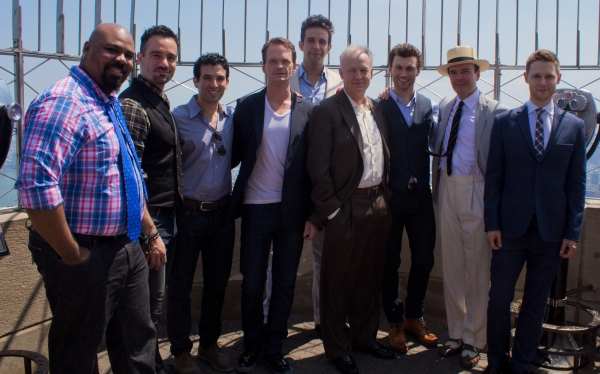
{"points": [[466, 257]]}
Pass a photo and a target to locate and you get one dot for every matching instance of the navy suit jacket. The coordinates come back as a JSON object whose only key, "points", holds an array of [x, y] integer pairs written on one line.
{"points": [[248, 124], [517, 185]]}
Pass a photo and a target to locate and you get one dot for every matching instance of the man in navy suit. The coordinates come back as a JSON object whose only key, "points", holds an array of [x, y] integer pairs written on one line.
{"points": [[534, 201], [411, 119], [272, 194]]}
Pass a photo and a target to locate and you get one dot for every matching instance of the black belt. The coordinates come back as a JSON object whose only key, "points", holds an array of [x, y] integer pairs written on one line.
{"points": [[367, 191], [206, 206], [79, 238]]}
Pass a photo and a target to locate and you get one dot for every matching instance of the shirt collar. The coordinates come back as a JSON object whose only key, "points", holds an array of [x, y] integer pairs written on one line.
{"points": [[548, 108], [398, 99], [355, 105], [154, 89], [90, 84], [471, 101], [195, 109], [302, 73]]}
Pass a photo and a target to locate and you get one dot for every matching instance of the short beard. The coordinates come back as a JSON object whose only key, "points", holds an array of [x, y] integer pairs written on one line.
{"points": [[110, 82]]}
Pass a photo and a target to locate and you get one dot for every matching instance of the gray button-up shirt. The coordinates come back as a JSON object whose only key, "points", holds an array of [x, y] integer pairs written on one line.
{"points": [[206, 175]]}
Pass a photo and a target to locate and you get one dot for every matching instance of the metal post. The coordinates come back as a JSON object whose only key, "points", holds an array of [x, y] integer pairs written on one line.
{"points": [[19, 76], [458, 23], [497, 71], [60, 27], [349, 19], [98, 14]]}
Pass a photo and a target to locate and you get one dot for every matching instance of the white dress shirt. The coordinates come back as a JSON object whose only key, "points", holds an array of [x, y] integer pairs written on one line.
{"points": [[547, 118], [464, 156]]}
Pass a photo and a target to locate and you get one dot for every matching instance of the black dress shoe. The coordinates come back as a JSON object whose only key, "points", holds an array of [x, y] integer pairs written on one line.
{"points": [[495, 370], [345, 364], [377, 350], [277, 363], [247, 360], [318, 328]]}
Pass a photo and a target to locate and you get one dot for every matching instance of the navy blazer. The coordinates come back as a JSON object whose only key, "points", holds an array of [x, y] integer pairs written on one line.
{"points": [[517, 185], [248, 124]]}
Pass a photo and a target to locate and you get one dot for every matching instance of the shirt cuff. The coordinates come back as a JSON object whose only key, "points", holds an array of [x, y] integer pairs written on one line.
{"points": [[41, 198], [333, 214]]}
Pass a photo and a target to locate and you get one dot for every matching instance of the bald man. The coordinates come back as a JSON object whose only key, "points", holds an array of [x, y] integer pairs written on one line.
{"points": [[82, 187]]}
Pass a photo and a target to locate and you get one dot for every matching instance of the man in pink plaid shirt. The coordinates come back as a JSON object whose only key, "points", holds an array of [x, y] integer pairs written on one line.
{"points": [[73, 184]]}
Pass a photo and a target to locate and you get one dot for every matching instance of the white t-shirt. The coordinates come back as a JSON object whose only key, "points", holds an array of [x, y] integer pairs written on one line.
{"points": [[266, 180]]}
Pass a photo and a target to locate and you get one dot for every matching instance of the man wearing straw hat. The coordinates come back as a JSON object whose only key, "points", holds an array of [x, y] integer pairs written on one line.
{"points": [[458, 171]]}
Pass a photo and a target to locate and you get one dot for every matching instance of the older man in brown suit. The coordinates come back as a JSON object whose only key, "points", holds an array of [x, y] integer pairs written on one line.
{"points": [[348, 162]]}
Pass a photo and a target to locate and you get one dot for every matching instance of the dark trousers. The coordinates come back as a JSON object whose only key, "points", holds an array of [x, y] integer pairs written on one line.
{"points": [[164, 220], [413, 210], [111, 285], [261, 226], [351, 273], [542, 262], [211, 235]]}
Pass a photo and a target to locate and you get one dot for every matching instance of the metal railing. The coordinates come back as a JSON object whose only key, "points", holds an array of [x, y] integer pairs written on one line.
{"points": [[236, 27]]}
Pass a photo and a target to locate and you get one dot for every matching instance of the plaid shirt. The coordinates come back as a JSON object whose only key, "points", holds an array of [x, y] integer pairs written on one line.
{"points": [[70, 157], [137, 119]]}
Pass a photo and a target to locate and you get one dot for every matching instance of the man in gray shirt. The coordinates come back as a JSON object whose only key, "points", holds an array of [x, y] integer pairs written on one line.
{"points": [[206, 131]]}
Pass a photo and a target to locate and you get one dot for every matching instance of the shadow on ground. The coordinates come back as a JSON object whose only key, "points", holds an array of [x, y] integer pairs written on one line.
{"points": [[305, 350]]}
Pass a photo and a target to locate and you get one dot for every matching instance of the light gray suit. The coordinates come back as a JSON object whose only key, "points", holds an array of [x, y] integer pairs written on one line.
{"points": [[466, 255], [334, 81], [486, 111]]}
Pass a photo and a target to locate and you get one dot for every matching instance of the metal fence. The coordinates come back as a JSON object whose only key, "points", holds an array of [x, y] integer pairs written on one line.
{"points": [[43, 39]]}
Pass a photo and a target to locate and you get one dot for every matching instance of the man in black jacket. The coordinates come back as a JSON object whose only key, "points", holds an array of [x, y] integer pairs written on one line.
{"points": [[147, 111], [272, 194]]}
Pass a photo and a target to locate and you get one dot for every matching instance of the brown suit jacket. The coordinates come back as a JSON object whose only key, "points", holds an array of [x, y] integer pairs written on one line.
{"points": [[335, 160]]}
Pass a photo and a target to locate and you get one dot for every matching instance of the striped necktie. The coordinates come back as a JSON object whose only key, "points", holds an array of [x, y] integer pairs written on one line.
{"points": [[453, 136]]}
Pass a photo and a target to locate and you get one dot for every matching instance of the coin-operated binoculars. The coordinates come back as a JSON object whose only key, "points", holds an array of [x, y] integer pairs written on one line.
{"points": [[570, 345], [9, 112]]}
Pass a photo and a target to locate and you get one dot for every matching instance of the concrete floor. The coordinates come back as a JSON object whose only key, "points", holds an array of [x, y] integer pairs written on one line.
{"points": [[305, 351]]}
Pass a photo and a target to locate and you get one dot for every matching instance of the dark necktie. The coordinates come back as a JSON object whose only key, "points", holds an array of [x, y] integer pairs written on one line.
{"points": [[538, 143], [128, 162], [453, 137]]}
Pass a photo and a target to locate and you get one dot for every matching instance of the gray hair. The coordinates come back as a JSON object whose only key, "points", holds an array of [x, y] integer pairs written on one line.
{"points": [[357, 48]]}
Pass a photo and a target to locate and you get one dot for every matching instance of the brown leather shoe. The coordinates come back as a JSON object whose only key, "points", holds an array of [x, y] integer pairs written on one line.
{"points": [[469, 356], [418, 328], [397, 339], [451, 347], [216, 357]]}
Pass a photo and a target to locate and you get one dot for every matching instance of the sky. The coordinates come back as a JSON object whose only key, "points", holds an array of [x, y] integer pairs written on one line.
{"points": [[200, 25]]}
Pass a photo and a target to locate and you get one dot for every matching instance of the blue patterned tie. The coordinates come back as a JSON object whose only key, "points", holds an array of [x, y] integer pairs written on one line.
{"points": [[538, 143], [128, 163]]}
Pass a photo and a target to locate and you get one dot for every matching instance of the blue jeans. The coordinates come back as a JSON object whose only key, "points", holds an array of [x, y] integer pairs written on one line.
{"points": [[261, 226], [543, 260], [211, 234], [164, 220], [413, 210], [110, 286]]}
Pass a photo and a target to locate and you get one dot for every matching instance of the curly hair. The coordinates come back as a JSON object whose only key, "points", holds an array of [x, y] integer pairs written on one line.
{"points": [[317, 21], [405, 50], [211, 59]]}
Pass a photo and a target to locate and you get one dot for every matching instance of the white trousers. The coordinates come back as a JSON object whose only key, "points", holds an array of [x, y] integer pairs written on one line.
{"points": [[466, 257]]}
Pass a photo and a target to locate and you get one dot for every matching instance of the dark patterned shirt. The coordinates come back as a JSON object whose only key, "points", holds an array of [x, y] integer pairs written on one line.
{"points": [[137, 119]]}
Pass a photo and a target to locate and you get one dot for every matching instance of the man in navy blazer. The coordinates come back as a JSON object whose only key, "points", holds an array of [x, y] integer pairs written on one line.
{"points": [[534, 201], [272, 195]]}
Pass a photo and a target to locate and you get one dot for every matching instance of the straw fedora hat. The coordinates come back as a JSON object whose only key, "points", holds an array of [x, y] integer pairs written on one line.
{"points": [[462, 54]]}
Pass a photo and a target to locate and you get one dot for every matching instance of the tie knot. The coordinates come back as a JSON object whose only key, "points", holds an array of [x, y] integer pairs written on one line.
{"points": [[540, 111], [461, 104]]}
